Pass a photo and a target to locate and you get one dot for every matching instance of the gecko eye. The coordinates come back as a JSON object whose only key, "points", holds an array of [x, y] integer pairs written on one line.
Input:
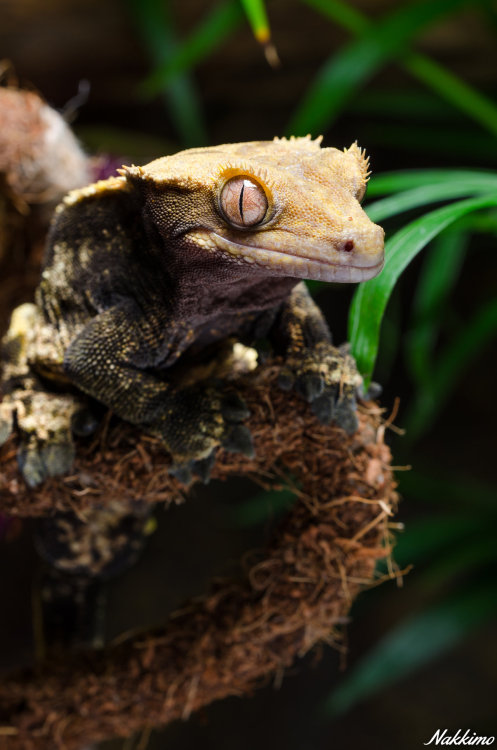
{"points": [[243, 202]]}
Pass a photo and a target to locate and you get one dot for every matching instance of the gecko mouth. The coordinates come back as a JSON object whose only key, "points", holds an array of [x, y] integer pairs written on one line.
{"points": [[298, 266]]}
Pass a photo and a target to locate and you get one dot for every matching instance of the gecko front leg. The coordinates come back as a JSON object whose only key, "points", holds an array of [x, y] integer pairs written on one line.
{"points": [[45, 419], [117, 357], [323, 374]]}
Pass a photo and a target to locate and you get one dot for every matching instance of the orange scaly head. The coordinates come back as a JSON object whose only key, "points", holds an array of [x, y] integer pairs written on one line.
{"points": [[288, 206]]}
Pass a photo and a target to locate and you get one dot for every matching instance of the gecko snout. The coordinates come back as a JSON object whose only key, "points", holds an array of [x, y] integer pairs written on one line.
{"points": [[361, 248], [346, 246]]}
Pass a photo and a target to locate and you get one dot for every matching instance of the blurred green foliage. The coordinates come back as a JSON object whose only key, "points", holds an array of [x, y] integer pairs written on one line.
{"points": [[370, 300], [454, 538]]}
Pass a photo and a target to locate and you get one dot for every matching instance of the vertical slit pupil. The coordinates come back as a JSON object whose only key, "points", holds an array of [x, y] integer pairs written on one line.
{"points": [[240, 202]]}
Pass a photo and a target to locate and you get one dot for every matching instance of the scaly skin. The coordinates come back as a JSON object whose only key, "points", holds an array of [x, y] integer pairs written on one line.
{"points": [[157, 274]]}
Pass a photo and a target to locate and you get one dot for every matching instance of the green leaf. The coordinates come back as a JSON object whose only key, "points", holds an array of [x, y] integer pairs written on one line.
{"points": [[346, 71], [395, 182], [429, 193], [219, 23], [371, 297], [432, 74], [464, 97], [342, 13], [414, 643], [405, 103], [257, 16]]}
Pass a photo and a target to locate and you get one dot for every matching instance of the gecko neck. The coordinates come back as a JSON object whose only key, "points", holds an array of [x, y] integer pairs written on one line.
{"points": [[221, 290]]}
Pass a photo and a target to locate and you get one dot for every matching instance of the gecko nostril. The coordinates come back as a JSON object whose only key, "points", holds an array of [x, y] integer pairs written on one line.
{"points": [[348, 246]]}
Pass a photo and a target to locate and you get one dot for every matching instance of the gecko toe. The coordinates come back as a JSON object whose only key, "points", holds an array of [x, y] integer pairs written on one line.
{"points": [[6, 427], [202, 468], [6, 421], [233, 408], [37, 461], [310, 386], [58, 458], [239, 440], [31, 465], [182, 472], [373, 392], [345, 414], [324, 405]]}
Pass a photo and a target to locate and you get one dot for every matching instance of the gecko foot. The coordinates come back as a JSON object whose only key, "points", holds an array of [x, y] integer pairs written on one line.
{"points": [[215, 421], [44, 422], [327, 378]]}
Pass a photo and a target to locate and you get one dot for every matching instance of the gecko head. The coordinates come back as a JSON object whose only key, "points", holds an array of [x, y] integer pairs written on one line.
{"points": [[287, 207]]}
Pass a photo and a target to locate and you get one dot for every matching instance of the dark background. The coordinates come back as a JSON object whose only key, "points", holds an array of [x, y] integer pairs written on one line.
{"points": [[56, 44]]}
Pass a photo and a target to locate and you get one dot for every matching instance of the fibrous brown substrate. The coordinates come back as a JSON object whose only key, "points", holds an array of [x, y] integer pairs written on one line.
{"points": [[238, 635]]}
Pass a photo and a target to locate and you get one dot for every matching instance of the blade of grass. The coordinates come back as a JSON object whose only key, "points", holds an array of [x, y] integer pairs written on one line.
{"points": [[404, 103], [345, 71], [446, 84], [370, 299], [343, 14], [219, 23], [414, 643], [439, 273], [429, 193], [257, 16], [394, 182], [156, 27], [439, 79], [456, 357]]}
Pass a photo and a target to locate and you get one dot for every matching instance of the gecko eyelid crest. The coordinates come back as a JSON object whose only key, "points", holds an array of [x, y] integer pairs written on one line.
{"points": [[243, 201]]}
